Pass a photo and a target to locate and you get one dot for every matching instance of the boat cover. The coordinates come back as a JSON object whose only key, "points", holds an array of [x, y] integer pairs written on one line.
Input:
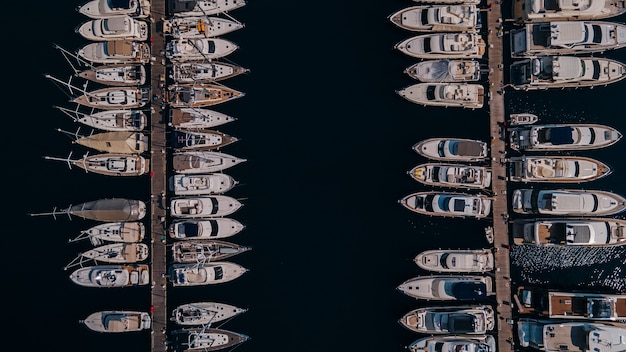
{"points": [[561, 135]]}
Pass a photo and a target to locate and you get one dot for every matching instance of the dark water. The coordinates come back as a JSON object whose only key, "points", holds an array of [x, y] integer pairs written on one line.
{"points": [[328, 143]]}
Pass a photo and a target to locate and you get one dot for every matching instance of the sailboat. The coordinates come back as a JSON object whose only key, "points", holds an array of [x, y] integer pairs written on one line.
{"points": [[110, 164], [109, 120], [120, 142], [108, 232], [115, 253], [106, 209]]}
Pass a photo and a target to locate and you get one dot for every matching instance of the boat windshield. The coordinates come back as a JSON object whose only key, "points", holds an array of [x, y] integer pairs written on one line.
{"points": [[599, 308]]}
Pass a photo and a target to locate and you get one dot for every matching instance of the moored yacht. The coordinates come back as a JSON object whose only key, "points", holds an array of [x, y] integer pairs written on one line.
{"points": [[112, 275], [197, 118], [110, 164], [124, 74], [567, 202], [112, 232], [545, 72], [201, 251], [209, 339], [556, 169], [115, 52], [204, 229], [462, 95], [452, 149], [199, 71], [200, 26], [203, 206], [186, 49], [450, 320], [452, 175], [117, 142], [555, 335], [448, 287], [203, 313], [448, 204], [445, 70], [115, 98], [569, 231], [437, 18], [186, 8], [522, 118], [200, 141], [113, 28], [565, 136], [443, 45], [199, 184], [114, 8], [110, 120], [200, 274], [114, 253], [456, 260], [486, 343], [197, 162], [105, 210], [116, 321], [567, 37], [526, 11], [190, 95]]}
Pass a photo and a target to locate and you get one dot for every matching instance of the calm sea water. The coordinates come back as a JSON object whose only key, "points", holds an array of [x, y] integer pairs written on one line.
{"points": [[328, 143]]}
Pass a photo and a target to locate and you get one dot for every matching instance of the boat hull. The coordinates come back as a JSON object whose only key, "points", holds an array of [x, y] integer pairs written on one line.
{"points": [[198, 251]]}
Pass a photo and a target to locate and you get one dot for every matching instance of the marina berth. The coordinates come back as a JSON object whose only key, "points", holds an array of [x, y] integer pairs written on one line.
{"points": [[113, 28], [203, 313], [526, 11], [123, 232], [110, 120], [197, 118], [115, 142], [105, 210], [116, 321], [208, 339], [467, 45], [561, 137], [569, 232], [199, 184], [456, 260], [545, 72], [462, 95], [567, 37], [186, 49], [452, 175], [448, 287], [186, 8], [200, 95], [112, 275], [202, 207], [124, 74], [115, 52], [205, 71], [557, 335], [200, 274], [444, 70], [437, 18], [204, 229], [200, 141], [452, 149], [556, 169], [567, 202], [201, 251], [450, 320], [200, 26], [197, 162], [114, 253], [110, 164], [448, 204], [115, 8], [442, 343]]}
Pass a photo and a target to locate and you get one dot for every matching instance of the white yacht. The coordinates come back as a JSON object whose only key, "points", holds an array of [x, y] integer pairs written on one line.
{"points": [[556, 169], [205, 140], [204, 229], [552, 335], [113, 28], [443, 46], [445, 70], [198, 162], [201, 184], [203, 313], [526, 11], [437, 18], [448, 204], [448, 287], [442, 343], [121, 275], [203, 206], [188, 49], [567, 37], [125, 232], [450, 320], [567, 202], [109, 164], [202, 251], [124, 74], [197, 118], [115, 8], [198, 95], [110, 120], [200, 71], [116, 321], [545, 72], [115, 52], [207, 339], [562, 137], [456, 260], [452, 175], [462, 95], [200, 26], [452, 149], [114, 253], [114, 98], [186, 8], [209, 273], [569, 232]]}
